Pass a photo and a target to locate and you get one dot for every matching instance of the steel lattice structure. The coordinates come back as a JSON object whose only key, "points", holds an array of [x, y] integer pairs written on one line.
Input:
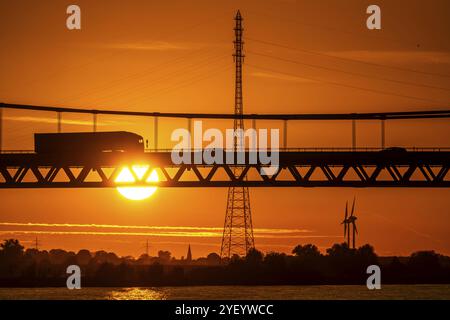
{"points": [[238, 229], [424, 169]]}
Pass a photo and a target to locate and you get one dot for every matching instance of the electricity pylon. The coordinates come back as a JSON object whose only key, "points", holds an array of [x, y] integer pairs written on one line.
{"points": [[238, 230]]}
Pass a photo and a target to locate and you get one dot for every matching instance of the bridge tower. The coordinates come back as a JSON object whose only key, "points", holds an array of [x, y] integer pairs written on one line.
{"points": [[238, 229]]}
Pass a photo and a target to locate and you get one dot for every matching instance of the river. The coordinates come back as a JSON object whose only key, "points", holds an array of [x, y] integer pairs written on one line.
{"points": [[233, 292]]}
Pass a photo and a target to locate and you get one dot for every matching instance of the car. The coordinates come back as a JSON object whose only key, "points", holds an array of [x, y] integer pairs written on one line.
{"points": [[395, 149]]}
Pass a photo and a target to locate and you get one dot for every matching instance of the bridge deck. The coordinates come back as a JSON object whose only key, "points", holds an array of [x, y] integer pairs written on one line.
{"points": [[297, 168]]}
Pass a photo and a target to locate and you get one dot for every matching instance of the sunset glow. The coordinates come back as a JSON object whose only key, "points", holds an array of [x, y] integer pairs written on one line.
{"points": [[301, 57], [136, 193]]}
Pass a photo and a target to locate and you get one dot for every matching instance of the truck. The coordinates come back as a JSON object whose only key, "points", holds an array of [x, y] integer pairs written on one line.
{"points": [[88, 142]]}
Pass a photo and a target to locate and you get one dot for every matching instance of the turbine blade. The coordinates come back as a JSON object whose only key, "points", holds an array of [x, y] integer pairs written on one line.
{"points": [[353, 207], [345, 229], [346, 210], [354, 226]]}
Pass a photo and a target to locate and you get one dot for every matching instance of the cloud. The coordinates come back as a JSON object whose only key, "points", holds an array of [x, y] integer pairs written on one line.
{"points": [[161, 231], [109, 233], [157, 234], [280, 77], [115, 226]]}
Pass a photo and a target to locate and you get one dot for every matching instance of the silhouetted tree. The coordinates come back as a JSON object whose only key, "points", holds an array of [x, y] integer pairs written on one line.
{"points": [[308, 251], [307, 266], [275, 267], [83, 257], [395, 271], [57, 256], [366, 255], [164, 256], [155, 274], [213, 259], [106, 274], [342, 260], [424, 266], [254, 257], [11, 249], [11, 255]]}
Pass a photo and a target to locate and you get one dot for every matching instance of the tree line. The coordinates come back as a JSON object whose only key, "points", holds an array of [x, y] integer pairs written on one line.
{"points": [[305, 266]]}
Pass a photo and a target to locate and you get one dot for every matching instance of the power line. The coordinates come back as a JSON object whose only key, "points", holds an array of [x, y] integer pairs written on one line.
{"points": [[210, 72], [347, 72], [347, 59], [187, 83], [119, 81], [329, 28], [166, 76], [346, 85], [115, 53], [135, 75]]}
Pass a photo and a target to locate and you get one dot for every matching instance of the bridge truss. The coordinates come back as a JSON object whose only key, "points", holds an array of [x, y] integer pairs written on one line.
{"points": [[423, 168]]}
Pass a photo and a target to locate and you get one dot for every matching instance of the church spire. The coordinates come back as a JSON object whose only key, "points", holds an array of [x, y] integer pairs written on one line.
{"points": [[189, 254]]}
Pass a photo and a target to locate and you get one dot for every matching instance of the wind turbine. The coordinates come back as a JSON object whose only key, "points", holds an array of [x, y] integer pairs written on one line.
{"points": [[350, 221], [345, 223]]}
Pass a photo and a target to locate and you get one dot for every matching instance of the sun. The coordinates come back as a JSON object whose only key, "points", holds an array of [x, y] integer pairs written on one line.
{"points": [[136, 193]]}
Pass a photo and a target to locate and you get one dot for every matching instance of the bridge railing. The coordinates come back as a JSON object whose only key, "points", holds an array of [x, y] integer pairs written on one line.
{"points": [[324, 149], [294, 149], [353, 117]]}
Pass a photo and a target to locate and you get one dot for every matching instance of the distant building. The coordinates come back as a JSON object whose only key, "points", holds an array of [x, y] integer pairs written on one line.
{"points": [[189, 254]]}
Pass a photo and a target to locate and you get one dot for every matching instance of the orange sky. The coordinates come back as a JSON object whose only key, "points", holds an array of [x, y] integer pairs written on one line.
{"points": [[175, 56]]}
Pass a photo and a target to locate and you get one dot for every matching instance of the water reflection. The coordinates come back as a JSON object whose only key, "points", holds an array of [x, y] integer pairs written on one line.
{"points": [[232, 292], [137, 294]]}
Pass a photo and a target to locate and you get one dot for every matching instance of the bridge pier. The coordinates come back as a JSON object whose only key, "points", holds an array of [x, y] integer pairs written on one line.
{"points": [[94, 122], [59, 116], [189, 126], [353, 134], [155, 132], [285, 132]]}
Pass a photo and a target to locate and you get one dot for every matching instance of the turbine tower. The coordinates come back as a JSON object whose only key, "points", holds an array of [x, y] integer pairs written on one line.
{"points": [[238, 230]]}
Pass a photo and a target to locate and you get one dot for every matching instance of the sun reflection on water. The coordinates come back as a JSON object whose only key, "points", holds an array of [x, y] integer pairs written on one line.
{"points": [[137, 294]]}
